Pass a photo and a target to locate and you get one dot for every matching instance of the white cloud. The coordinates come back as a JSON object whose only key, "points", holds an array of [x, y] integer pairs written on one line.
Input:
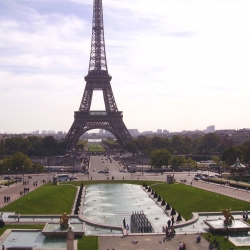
{"points": [[171, 61]]}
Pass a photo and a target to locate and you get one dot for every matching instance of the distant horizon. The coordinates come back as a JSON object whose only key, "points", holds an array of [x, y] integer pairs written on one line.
{"points": [[97, 131]]}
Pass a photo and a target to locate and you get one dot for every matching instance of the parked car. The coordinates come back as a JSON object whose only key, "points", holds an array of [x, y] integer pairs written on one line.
{"points": [[100, 172], [196, 178], [73, 177], [7, 178], [18, 178], [30, 177]]}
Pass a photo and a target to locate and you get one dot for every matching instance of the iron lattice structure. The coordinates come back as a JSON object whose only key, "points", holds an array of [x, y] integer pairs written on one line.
{"points": [[98, 79]]}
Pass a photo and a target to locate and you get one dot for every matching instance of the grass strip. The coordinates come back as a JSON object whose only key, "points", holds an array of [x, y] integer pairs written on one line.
{"points": [[187, 199], [47, 199], [87, 243]]}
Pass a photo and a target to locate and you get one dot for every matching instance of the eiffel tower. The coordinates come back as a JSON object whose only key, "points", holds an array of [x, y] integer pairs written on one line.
{"points": [[98, 79]]}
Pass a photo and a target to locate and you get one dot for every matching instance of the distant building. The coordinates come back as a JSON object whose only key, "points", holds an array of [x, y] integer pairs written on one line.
{"points": [[210, 129], [159, 131], [134, 132]]}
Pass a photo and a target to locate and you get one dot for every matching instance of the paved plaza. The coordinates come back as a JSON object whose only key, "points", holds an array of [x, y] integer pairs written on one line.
{"points": [[145, 242]]}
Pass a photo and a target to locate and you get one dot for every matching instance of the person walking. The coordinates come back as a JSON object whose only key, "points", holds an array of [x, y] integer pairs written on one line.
{"points": [[169, 224], [181, 246], [172, 219], [127, 229]]}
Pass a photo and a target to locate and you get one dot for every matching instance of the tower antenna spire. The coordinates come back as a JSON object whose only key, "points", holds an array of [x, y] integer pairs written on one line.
{"points": [[98, 61]]}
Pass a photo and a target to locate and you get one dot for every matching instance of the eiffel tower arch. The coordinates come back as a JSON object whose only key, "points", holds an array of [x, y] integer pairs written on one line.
{"points": [[98, 78]]}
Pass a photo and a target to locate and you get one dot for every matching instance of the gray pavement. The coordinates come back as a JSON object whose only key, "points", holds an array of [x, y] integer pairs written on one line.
{"points": [[150, 242]]}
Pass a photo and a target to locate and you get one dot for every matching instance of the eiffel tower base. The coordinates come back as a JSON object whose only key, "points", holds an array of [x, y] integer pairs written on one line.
{"points": [[85, 121]]}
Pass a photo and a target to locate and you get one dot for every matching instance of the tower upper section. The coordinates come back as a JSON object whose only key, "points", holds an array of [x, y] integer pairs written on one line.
{"points": [[98, 61]]}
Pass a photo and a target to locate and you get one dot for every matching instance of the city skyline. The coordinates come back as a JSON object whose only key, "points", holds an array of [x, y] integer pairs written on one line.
{"points": [[175, 65]]}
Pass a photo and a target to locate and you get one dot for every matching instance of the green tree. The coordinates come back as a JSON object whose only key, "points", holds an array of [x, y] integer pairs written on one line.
{"points": [[143, 143], [37, 168], [18, 162], [2, 147], [190, 163], [178, 144], [176, 161], [230, 155], [159, 158], [131, 147]]}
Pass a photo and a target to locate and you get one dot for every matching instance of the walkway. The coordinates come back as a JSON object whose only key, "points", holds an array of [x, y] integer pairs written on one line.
{"points": [[150, 242]]}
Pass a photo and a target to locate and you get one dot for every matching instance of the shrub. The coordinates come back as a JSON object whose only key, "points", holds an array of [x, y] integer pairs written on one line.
{"points": [[2, 223], [179, 217], [168, 206], [173, 211]]}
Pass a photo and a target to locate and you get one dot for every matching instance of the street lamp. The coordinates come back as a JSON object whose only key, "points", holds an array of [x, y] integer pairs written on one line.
{"points": [[221, 170], [23, 175], [142, 164], [73, 166], [8, 177], [16, 175]]}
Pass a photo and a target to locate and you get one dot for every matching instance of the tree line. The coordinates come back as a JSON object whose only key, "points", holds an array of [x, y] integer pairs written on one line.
{"points": [[180, 148], [200, 148], [32, 146]]}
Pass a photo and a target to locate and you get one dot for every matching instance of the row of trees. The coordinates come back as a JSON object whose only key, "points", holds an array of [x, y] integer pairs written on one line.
{"points": [[200, 148], [162, 157], [32, 146], [19, 163], [202, 145]]}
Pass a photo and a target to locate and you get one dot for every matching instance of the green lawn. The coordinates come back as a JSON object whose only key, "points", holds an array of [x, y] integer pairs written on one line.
{"points": [[187, 199], [47, 199], [96, 147], [87, 243]]}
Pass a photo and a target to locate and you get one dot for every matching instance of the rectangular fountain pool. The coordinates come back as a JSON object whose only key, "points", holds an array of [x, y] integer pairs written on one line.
{"points": [[33, 238], [111, 203]]}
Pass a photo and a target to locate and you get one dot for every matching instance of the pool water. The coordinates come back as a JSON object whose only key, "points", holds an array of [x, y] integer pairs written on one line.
{"points": [[111, 203], [33, 239]]}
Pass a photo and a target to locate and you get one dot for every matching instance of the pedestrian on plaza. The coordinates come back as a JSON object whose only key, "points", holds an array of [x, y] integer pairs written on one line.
{"points": [[184, 246], [246, 215], [172, 219], [18, 216], [127, 229], [3, 247], [124, 223], [181, 246], [169, 224], [166, 232]]}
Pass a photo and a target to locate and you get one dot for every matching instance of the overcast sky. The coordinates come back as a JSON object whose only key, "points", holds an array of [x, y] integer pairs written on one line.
{"points": [[175, 64]]}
